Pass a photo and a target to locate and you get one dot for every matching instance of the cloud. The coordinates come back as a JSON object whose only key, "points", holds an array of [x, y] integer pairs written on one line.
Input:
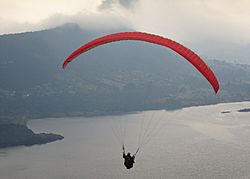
{"points": [[212, 28], [196, 19], [192, 20], [127, 3], [106, 4], [86, 19], [9, 27], [109, 4]]}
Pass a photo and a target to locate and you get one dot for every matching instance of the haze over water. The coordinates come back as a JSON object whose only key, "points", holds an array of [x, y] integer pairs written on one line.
{"points": [[196, 142]]}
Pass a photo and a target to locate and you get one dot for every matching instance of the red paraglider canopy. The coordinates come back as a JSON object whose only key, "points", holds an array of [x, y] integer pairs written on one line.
{"points": [[188, 54]]}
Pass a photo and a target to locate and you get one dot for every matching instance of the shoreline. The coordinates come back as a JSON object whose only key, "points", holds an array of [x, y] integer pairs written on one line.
{"points": [[30, 138], [13, 135], [117, 113]]}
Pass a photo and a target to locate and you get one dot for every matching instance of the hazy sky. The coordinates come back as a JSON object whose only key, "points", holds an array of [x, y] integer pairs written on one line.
{"points": [[196, 21]]}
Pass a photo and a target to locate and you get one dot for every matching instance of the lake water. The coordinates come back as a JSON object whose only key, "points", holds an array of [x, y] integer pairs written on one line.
{"points": [[196, 142]]}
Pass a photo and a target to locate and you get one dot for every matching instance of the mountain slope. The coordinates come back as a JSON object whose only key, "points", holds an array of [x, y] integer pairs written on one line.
{"points": [[114, 78]]}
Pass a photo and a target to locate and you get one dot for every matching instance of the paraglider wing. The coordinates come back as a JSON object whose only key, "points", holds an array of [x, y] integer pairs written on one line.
{"points": [[188, 54]]}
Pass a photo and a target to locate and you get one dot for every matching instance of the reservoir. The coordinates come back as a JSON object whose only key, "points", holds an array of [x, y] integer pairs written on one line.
{"points": [[194, 142]]}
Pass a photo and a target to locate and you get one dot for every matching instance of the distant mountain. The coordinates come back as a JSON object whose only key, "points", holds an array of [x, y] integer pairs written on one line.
{"points": [[115, 78], [227, 51]]}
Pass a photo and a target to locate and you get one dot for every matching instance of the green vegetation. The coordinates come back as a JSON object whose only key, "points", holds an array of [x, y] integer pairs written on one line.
{"points": [[112, 79]]}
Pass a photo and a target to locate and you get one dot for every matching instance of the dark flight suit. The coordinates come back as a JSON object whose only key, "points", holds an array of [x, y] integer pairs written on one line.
{"points": [[128, 160]]}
